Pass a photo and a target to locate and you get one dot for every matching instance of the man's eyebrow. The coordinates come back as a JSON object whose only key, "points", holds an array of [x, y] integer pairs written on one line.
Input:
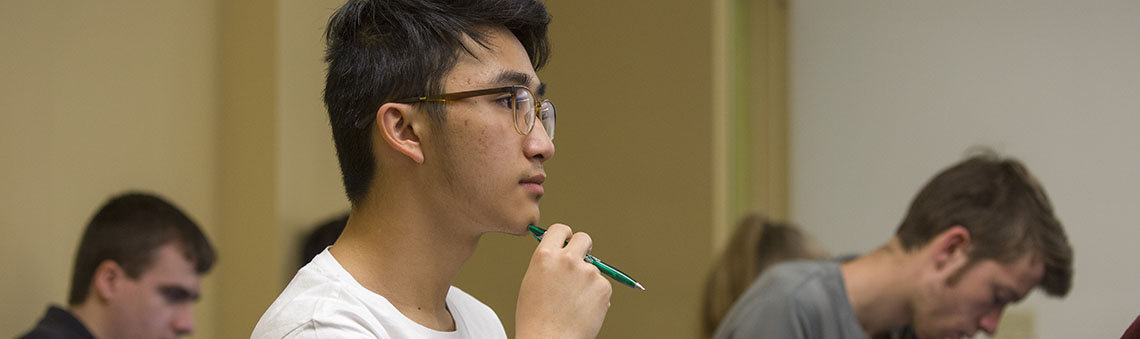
{"points": [[508, 78], [178, 293], [513, 78]]}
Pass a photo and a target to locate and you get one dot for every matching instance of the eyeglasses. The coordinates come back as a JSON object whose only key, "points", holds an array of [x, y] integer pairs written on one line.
{"points": [[521, 102]]}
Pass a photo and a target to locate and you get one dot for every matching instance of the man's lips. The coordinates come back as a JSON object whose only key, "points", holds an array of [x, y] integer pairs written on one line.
{"points": [[534, 183], [534, 179]]}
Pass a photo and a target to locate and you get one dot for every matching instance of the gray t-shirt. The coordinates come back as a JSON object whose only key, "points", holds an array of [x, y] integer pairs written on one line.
{"points": [[798, 299]]}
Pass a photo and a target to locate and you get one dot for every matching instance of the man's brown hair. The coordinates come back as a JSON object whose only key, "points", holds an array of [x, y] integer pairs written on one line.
{"points": [[127, 230], [1005, 210]]}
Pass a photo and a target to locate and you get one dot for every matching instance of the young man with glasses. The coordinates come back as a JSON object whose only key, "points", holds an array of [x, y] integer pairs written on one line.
{"points": [[441, 133]]}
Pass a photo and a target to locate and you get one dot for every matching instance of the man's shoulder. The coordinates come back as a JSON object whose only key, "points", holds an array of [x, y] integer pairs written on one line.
{"points": [[789, 286], [327, 312], [808, 286], [800, 276], [303, 311], [787, 301], [315, 298], [46, 333], [322, 301], [477, 317], [58, 323], [457, 296]]}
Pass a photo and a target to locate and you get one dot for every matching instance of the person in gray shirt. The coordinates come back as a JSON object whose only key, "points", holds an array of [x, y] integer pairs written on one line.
{"points": [[799, 292], [979, 236]]}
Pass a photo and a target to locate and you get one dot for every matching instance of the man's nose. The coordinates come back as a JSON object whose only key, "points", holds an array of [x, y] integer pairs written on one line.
{"points": [[538, 144], [989, 321], [183, 322]]}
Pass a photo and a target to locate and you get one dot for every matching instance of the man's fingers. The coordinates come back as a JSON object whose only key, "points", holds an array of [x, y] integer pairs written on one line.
{"points": [[579, 245], [555, 236], [561, 239]]}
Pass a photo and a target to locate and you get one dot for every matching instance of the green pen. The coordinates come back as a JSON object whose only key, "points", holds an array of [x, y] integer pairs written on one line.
{"points": [[606, 269]]}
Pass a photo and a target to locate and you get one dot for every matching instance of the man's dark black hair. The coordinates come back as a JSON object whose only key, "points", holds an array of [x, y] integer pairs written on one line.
{"points": [[127, 230], [382, 50]]}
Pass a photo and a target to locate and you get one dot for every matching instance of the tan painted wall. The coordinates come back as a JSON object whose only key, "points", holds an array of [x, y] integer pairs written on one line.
{"points": [[218, 106], [309, 185], [96, 98], [249, 242]]}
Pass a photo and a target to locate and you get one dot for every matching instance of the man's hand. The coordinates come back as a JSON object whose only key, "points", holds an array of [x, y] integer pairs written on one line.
{"points": [[562, 296]]}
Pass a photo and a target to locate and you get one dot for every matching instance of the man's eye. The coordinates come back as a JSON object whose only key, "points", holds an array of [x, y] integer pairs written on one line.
{"points": [[175, 295], [998, 300], [504, 101]]}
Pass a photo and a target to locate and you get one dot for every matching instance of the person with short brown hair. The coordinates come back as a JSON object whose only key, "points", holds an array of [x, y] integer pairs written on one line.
{"points": [[979, 236], [136, 274]]}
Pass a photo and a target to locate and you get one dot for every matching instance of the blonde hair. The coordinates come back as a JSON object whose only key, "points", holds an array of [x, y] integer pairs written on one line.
{"points": [[755, 245]]}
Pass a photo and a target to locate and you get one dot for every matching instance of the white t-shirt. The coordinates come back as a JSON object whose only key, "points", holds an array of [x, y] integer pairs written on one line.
{"points": [[324, 301]]}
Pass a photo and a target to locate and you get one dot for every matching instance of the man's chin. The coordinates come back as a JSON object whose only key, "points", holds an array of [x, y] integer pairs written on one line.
{"points": [[520, 232], [519, 228]]}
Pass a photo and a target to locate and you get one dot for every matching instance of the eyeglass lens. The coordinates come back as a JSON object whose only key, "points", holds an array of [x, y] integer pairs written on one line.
{"points": [[524, 112]]}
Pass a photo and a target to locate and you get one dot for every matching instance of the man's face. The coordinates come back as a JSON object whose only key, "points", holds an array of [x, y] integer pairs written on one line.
{"points": [[159, 303], [976, 299], [485, 172]]}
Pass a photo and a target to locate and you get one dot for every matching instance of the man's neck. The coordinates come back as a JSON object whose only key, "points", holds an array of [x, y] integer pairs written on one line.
{"points": [[89, 317], [409, 258], [879, 287]]}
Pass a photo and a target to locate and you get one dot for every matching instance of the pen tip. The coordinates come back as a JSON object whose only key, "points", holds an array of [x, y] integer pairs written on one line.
{"points": [[639, 286]]}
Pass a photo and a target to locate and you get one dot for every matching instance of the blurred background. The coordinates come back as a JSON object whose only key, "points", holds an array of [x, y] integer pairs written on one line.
{"points": [[676, 117]]}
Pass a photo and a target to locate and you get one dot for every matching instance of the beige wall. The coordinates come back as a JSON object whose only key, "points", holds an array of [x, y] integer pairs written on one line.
{"points": [[309, 185], [886, 93], [249, 232], [96, 98], [217, 105]]}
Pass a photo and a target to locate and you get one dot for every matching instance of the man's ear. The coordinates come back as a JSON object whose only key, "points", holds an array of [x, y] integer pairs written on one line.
{"points": [[950, 249], [400, 127], [108, 276]]}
